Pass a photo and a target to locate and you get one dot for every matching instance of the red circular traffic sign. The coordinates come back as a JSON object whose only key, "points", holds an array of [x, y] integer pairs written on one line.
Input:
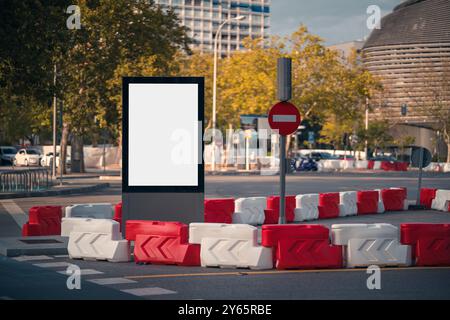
{"points": [[285, 118]]}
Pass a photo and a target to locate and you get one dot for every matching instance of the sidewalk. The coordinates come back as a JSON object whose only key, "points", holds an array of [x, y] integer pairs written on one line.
{"points": [[71, 185]]}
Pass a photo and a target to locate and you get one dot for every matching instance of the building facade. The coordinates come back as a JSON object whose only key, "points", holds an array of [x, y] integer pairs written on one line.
{"points": [[203, 18], [410, 54]]}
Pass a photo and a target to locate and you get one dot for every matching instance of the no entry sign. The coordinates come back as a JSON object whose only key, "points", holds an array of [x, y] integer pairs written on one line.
{"points": [[285, 118]]}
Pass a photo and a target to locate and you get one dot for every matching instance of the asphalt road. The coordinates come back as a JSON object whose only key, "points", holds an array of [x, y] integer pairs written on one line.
{"points": [[37, 279]]}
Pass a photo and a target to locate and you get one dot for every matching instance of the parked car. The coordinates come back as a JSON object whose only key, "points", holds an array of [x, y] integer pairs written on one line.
{"points": [[27, 157], [7, 155], [317, 156], [46, 161]]}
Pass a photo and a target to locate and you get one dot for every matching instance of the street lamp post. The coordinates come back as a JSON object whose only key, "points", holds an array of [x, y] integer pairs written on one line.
{"points": [[216, 39]]}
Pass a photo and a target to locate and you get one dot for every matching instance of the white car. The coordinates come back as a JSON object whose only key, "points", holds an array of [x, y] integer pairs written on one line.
{"points": [[46, 160], [27, 157]]}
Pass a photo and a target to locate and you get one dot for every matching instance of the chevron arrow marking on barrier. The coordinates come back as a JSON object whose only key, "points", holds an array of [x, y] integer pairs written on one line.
{"points": [[232, 247], [308, 248], [385, 247], [440, 248], [87, 242], [156, 247], [366, 249]]}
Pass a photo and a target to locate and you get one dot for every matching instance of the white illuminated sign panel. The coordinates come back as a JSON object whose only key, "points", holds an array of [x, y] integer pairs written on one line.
{"points": [[162, 134]]}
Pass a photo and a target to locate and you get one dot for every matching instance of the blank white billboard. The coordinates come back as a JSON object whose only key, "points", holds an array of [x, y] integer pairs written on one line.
{"points": [[163, 135]]}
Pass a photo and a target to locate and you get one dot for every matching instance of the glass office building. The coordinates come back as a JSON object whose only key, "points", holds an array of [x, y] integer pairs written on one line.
{"points": [[203, 18]]}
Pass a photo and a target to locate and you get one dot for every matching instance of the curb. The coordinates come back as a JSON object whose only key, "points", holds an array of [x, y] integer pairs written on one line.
{"points": [[48, 193]]}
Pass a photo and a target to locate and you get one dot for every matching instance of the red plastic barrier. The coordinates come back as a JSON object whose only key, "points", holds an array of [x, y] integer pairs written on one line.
{"points": [[401, 166], [427, 196], [388, 166], [367, 202], [162, 243], [430, 242], [219, 210], [328, 205], [301, 247], [371, 164], [43, 221], [393, 199], [273, 209], [118, 213]]}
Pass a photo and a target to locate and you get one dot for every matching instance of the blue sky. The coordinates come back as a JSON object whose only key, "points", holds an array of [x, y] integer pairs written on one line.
{"points": [[335, 21]]}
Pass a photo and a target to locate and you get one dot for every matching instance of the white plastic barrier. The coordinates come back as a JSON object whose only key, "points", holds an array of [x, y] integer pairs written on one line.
{"points": [[377, 165], [347, 164], [371, 244], [441, 201], [433, 167], [69, 224], [230, 245], [98, 239], [381, 208], [307, 207], [331, 164], [361, 164], [90, 210], [348, 203], [446, 167], [250, 210]]}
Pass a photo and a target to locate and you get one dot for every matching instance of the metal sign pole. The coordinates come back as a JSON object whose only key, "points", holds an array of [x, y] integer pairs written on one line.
{"points": [[282, 218], [284, 83], [419, 184]]}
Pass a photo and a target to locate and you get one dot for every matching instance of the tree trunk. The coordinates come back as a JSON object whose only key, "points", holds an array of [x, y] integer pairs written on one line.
{"points": [[448, 152], [77, 155], [63, 147]]}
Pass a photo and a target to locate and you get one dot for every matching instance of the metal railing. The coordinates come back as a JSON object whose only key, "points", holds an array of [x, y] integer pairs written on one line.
{"points": [[25, 180]]}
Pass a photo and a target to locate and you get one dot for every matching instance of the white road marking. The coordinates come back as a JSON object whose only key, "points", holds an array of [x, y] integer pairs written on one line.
{"points": [[32, 258], [150, 291], [61, 256], [84, 272], [16, 212], [52, 264], [110, 281]]}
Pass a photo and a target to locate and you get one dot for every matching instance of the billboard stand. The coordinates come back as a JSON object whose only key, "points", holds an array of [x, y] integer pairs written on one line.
{"points": [[162, 167]]}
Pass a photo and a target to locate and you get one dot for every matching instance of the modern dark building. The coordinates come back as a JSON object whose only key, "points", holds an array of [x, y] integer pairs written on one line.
{"points": [[410, 52]]}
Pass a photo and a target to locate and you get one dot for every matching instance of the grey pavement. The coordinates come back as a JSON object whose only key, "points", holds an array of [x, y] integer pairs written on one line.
{"points": [[111, 280]]}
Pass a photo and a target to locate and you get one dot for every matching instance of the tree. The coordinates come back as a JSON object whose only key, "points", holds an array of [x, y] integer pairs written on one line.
{"points": [[115, 34], [377, 135]]}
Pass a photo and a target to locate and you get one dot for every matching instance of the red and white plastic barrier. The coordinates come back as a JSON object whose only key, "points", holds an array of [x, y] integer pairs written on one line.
{"points": [[160, 242], [348, 203], [219, 210], [427, 196], [301, 247], [90, 210], [250, 210], [118, 213], [230, 246], [43, 221], [328, 205], [430, 243], [371, 244], [307, 207], [273, 209], [367, 202], [98, 239], [441, 201]]}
